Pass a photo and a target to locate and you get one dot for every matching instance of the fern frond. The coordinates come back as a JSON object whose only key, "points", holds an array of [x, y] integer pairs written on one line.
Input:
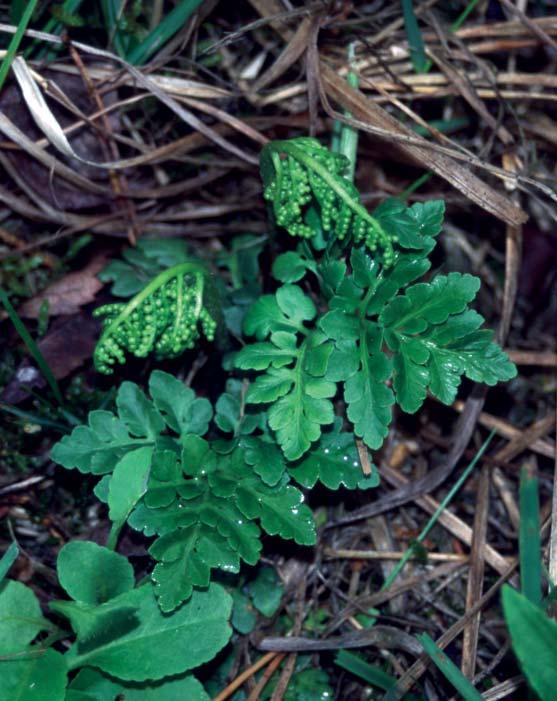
{"points": [[300, 171], [167, 317]]}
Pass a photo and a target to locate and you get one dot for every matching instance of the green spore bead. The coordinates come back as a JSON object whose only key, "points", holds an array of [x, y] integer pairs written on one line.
{"points": [[167, 317], [301, 171]]}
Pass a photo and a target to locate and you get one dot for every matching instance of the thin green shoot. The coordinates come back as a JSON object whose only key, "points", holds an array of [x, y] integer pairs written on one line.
{"points": [[459, 21], [415, 40], [169, 26], [372, 674], [348, 139], [449, 670], [31, 418], [8, 559], [112, 13], [530, 547], [32, 347], [424, 177], [16, 40], [409, 553]]}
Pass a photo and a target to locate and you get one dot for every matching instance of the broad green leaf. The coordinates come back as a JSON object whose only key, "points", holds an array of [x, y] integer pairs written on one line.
{"points": [[266, 591], [40, 674], [428, 216], [98, 686], [93, 574], [297, 418], [410, 376], [97, 447], [244, 616], [340, 326], [259, 356], [332, 273], [181, 410], [198, 534], [364, 268], [164, 479], [141, 263], [406, 269], [273, 384], [263, 316], [231, 415], [21, 619], [294, 304], [265, 458], [137, 412], [281, 511], [368, 397], [394, 216], [97, 624], [291, 267], [430, 303], [334, 462], [162, 645], [534, 641], [186, 557], [128, 483]]}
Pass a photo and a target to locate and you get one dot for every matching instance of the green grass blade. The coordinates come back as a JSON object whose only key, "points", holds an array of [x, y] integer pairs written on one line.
{"points": [[451, 672], [34, 419], [69, 7], [156, 39], [111, 10], [438, 511], [415, 39], [369, 673], [31, 346], [16, 40], [8, 559], [459, 21], [530, 546]]}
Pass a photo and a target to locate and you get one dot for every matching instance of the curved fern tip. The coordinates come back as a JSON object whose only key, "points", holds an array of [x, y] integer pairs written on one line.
{"points": [[300, 173], [168, 316]]}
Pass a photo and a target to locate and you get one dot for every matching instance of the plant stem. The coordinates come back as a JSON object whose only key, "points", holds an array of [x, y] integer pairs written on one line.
{"points": [[348, 145]]}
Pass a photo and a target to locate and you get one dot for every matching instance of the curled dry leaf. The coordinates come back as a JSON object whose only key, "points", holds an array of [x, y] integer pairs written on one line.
{"points": [[67, 295]]}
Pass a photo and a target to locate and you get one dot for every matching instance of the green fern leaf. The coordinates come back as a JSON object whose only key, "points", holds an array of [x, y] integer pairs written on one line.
{"points": [[294, 382], [436, 339], [334, 462]]}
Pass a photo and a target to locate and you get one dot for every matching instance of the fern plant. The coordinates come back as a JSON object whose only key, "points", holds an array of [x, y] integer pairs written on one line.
{"points": [[376, 341], [206, 501], [324, 365]]}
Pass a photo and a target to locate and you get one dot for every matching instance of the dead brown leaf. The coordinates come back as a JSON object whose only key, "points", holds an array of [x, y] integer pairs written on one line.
{"points": [[67, 295]]}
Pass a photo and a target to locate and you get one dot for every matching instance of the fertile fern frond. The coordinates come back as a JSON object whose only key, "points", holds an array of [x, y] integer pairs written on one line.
{"points": [[167, 317], [300, 171]]}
